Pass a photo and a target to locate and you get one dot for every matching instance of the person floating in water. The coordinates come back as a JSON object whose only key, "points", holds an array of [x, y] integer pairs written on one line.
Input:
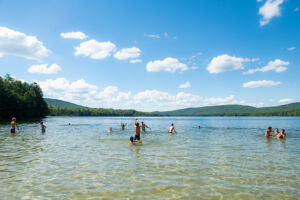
{"points": [[13, 125], [131, 141], [137, 129], [268, 131], [172, 129], [282, 134], [43, 127], [275, 132], [123, 125], [144, 126]]}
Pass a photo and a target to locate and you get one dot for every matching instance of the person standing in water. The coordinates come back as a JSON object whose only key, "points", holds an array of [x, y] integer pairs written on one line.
{"points": [[123, 126], [172, 129], [275, 132], [137, 129], [13, 125], [43, 127], [282, 134], [144, 126], [268, 131]]}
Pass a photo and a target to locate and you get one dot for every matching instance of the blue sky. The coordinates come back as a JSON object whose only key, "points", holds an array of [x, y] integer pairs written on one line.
{"points": [[155, 55]]}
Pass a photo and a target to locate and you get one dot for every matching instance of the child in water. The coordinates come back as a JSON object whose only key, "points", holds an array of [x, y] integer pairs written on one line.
{"points": [[43, 127], [268, 131], [172, 129], [13, 125], [275, 132], [131, 141]]}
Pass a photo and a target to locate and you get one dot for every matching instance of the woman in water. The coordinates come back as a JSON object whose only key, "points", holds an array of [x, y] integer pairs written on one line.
{"points": [[275, 132]]}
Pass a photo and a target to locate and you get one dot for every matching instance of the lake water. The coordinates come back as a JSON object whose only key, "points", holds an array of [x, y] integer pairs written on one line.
{"points": [[228, 158]]}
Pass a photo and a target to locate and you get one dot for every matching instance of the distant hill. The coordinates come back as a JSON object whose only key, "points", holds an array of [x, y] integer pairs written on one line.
{"points": [[62, 104], [61, 108], [292, 109]]}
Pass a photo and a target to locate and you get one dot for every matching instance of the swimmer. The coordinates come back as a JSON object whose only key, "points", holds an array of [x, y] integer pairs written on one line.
{"points": [[123, 126], [110, 130], [131, 141], [13, 125], [137, 130], [43, 127], [172, 129], [268, 131], [199, 127], [144, 126], [281, 135], [275, 132]]}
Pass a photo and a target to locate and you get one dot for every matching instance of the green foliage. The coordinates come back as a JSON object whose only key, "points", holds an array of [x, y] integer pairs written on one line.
{"points": [[21, 100]]}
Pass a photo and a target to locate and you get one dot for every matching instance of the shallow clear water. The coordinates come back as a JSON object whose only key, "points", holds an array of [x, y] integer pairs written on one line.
{"points": [[228, 158]]}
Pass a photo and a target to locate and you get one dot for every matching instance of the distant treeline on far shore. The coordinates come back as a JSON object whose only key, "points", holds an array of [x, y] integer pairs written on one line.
{"points": [[25, 101]]}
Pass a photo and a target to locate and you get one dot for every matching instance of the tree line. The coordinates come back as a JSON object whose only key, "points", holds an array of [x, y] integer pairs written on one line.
{"points": [[20, 99]]}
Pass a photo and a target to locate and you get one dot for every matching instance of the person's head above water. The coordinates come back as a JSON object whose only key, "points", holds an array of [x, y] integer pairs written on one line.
{"points": [[13, 119], [172, 124], [283, 131], [131, 139], [41, 122], [137, 124], [142, 122], [269, 128]]}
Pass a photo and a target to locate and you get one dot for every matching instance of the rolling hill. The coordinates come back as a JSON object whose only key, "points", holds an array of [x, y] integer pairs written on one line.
{"points": [[62, 104]]}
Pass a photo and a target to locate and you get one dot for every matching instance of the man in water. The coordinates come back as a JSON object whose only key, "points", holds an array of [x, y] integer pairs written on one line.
{"points": [[282, 134], [123, 126], [43, 127], [275, 132], [137, 130], [144, 126], [268, 131], [172, 129], [135, 141], [13, 125]]}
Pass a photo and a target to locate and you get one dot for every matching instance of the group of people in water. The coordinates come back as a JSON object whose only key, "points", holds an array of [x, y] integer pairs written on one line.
{"points": [[276, 133], [136, 139]]}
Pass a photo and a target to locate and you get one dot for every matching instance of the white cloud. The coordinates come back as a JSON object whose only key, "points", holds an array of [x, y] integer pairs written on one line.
{"points": [[18, 44], [157, 36], [95, 49], [185, 85], [263, 83], [135, 61], [168, 64], [291, 48], [269, 10], [225, 63], [42, 69], [74, 35], [126, 53], [286, 100], [296, 9], [276, 65]]}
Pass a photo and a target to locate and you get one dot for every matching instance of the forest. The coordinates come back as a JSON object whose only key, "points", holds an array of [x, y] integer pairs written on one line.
{"points": [[21, 100]]}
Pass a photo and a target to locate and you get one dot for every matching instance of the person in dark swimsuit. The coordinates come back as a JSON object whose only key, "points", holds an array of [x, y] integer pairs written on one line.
{"points": [[137, 130], [13, 125], [144, 126]]}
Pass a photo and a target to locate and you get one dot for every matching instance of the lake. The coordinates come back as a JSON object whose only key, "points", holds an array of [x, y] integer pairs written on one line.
{"points": [[228, 158]]}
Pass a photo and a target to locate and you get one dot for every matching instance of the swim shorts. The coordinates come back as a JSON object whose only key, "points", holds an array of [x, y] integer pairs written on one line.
{"points": [[43, 130], [12, 130], [136, 137]]}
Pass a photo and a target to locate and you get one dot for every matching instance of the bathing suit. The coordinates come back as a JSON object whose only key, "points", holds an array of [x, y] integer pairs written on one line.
{"points": [[12, 130], [43, 130], [137, 137]]}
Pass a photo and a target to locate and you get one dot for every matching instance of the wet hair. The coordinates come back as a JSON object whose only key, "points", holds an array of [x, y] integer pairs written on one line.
{"points": [[137, 124], [269, 127], [131, 139], [41, 122], [172, 124], [283, 130]]}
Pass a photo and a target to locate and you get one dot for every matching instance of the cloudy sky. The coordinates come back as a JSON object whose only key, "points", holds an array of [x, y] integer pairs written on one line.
{"points": [[155, 55]]}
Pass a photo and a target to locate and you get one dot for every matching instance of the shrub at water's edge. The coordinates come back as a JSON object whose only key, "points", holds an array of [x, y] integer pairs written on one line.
{"points": [[20, 99]]}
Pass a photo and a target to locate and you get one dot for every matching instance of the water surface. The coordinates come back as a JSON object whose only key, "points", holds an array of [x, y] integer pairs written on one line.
{"points": [[228, 158]]}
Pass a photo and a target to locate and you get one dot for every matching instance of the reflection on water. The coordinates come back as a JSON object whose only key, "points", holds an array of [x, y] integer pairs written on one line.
{"points": [[228, 158]]}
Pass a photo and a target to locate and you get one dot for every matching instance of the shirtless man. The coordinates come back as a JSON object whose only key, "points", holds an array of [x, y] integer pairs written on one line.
{"points": [[137, 130], [282, 134], [13, 125], [43, 127], [172, 129], [144, 126], [268, 131], [123, 126], [131, 141]]}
